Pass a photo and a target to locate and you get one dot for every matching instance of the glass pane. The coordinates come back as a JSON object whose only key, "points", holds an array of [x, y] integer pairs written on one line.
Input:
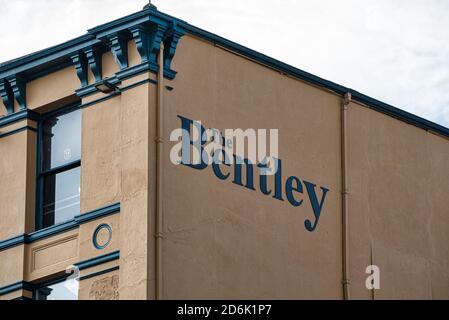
{"points": [[59, 291], [61, 197], [61, 140]]}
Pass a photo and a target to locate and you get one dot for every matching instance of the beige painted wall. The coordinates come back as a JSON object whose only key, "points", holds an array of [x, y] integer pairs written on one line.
{"points": [[51, 255], [17, 170], [137, 204], [398, 205], [87, 249], [225, 241], [101, 287], [52, 87], [101, 143], [11, 265], [133, 54], [110, 67]]}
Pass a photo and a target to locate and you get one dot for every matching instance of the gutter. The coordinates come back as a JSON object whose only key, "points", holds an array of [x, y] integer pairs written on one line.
{"points": [[345, 192], [159, 176]]}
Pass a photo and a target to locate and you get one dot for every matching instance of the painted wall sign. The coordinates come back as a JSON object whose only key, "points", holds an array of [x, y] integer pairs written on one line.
{"points": [[292, 189]]}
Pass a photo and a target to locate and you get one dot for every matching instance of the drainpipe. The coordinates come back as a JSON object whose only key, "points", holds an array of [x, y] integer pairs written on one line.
{"points": [[159, 167], [345, 192]]}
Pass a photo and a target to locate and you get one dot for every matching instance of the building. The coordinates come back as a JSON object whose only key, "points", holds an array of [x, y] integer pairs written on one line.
{"points": [[87, 181]]}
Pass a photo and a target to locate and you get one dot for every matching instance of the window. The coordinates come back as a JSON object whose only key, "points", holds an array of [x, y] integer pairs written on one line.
{"points": [[59, 163], [62, 290]]}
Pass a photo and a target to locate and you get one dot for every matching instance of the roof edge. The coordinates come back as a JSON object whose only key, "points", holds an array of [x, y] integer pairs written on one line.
{"points": [[313, 79], [52, 54]]}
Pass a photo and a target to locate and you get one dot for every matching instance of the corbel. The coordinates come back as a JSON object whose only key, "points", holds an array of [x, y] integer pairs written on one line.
{"points": [[157, 33], [18, 86], [171, 42], [94, 59], [141, 38], [118, 43], [80, 61], [7, 96]]}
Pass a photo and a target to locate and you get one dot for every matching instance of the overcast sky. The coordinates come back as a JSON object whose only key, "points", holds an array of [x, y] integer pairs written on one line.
{"points": [[393, 50]]}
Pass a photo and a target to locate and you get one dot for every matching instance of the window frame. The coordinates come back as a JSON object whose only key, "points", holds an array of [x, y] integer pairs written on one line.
{"points": [[56, 279], [42, 174]]}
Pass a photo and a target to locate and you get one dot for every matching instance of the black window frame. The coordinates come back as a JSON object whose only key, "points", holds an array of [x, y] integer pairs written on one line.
{"points": [[42, 174], [57, 279]]}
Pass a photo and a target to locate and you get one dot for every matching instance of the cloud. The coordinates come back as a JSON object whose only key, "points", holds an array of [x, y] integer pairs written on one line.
{"points": [[395, 51]]}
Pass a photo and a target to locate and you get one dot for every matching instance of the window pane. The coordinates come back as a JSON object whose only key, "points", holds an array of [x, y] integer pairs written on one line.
{"points": [[61, 197], [59, 291], [61, 140]]}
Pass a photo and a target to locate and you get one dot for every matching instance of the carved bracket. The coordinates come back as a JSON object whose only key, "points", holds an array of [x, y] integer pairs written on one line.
{"points": [[170, 44], [94, 58], [18, 86], [157, 33], [118, 43], [80, 61], [141, 37], [148, 41], [7, 96]]}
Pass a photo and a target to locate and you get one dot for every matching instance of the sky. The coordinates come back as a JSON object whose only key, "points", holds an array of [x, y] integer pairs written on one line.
{"points": [[396, 51]]}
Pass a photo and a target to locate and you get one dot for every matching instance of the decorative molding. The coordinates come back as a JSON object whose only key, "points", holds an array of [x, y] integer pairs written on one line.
{"points": [[18, 116], [99, 273], [157, 35], [6, 134], [53, 252], [94, 58], [141, 68], [97, 214], [97, 245], [117, 80], [50, 231], [173, 36], [80, 61], [98, 260], [140, 24], [7, 96], [47, 56], [118, 43], [140, 36], [133, 71], [92, 103], [148, 42], [18, 86], [12, 242], [115, 94], [60, 228], [147, 27], [21, 285], [91, 89]]}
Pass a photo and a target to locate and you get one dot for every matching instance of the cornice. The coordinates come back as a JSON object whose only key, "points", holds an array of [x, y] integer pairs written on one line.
{"points": [[147, 27], [18, 116]]}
